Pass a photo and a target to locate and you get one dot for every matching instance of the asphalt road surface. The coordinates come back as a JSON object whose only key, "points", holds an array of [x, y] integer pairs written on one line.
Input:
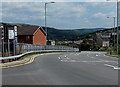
{"points": [[85, 68]]}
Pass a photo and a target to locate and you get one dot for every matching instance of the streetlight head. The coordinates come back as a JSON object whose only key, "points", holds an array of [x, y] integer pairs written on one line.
{"points": [[52, 2], [108, 0], [108, 17]]}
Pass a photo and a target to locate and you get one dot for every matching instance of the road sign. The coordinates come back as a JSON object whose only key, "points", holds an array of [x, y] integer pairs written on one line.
{"points": [[114, 33], [11, 34]]}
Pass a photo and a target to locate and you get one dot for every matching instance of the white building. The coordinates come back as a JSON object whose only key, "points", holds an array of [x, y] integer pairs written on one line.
{"points": [[106, 44]]}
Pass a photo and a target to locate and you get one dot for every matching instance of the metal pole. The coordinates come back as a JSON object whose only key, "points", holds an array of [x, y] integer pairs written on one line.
{"points": [[45, 22], [117, 26], [117, 30], [8, 42], [8, 47], [14, 45], [15, 39], [114, 31], [3, 43]]}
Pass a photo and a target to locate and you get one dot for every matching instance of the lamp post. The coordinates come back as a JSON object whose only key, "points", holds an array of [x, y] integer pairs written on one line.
{"points": [[46, 18], [113, 30], [117, 1], [117, 28]]}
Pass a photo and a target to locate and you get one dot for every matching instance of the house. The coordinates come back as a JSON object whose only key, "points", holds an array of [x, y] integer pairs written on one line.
{"points": [[22, 34], [51, 42], [106, 43], [103, 39], [31, 35]]}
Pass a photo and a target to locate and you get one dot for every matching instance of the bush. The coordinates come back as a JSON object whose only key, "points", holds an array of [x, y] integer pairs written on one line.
{"points": [[115, 49], [105, 48], [88, 47], [96, 48]]}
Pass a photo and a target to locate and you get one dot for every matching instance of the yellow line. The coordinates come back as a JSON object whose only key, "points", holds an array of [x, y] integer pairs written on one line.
{"points": [[31, 60]]}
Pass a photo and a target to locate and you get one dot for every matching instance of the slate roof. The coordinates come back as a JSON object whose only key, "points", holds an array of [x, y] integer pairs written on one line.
{"points": [[29, 30]]}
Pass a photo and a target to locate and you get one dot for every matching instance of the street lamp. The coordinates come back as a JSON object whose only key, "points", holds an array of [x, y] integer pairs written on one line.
{"points": [[46, 18], [117, 1], [113, 29]]}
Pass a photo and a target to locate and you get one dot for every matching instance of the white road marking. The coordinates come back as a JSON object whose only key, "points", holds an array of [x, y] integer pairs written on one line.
{"points": [[58, 57], [97, 55], [115, 67], [67, 58], [77, 54], [64, 60], [88, 61]]}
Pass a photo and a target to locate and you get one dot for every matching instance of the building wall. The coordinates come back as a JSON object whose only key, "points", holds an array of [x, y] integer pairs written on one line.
{"points": [[106, 43], [104, 39], [98, 39], [39, 38], [25, 39]]}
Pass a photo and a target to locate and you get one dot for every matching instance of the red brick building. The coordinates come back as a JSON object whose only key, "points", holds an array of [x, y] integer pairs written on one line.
{"points": [[32, 35]]}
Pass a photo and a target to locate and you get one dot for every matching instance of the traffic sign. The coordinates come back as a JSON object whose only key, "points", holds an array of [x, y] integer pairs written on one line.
{"points": [[11, 34]]}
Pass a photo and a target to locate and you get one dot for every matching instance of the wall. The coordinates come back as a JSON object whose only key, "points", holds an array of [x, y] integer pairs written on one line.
{"points": [[25, 39], [39, 38]]}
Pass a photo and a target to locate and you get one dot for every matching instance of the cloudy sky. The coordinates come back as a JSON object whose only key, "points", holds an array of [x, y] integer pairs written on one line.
{"points": [[61, 14]]}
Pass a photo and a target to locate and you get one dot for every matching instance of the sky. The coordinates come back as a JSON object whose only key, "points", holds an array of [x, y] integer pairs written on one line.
{"points": [[61, 14]]}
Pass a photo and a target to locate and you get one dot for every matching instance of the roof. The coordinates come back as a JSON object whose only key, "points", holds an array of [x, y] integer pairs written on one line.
{"points": [[29, 30]]}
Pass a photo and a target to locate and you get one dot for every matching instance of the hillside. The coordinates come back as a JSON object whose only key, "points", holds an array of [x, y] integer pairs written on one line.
{"points": [[63, 34], [92, 35], [57, 34]]}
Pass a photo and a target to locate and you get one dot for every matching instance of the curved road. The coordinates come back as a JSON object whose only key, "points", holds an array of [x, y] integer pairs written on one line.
{"points": [[85, 68]]}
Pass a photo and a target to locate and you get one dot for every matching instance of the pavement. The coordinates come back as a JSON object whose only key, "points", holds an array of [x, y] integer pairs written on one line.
{"points": [[70, 68]]}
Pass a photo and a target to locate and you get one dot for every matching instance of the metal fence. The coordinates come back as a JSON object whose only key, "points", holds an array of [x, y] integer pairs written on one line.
{"points": [[22, 48]]}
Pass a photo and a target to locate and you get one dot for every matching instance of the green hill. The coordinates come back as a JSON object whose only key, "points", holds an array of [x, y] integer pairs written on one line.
{"points": [[57, 34], [63, 34]]}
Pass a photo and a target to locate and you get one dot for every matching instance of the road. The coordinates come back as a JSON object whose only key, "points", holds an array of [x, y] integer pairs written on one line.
{"points": [[85, 68]]}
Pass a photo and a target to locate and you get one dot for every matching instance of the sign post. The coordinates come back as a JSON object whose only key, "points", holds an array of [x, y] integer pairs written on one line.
{"points": [[10, 36], [15, 39], [2, 41]]}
